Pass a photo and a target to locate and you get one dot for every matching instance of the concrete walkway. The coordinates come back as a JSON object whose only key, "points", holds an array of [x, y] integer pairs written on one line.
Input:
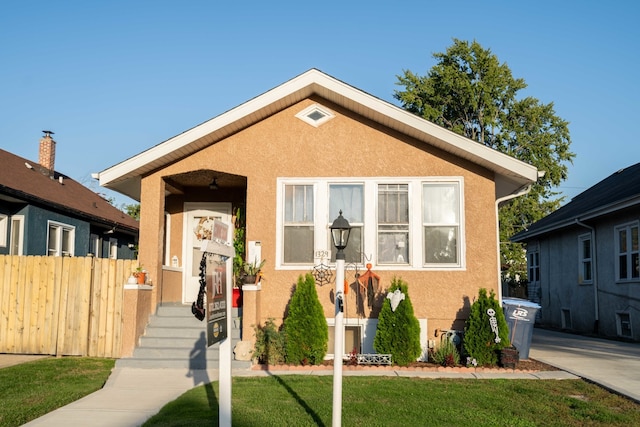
{"points": [[132, 395]]}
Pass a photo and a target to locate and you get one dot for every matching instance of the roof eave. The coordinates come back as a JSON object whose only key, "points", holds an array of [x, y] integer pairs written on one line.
{"points": [[124, 177]]}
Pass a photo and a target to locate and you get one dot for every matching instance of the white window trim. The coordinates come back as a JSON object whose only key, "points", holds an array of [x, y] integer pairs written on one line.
{"points": [[322, 251], [62, 226], [581, 239], [20, 220], [113, 248], [616, 240], [4, 227]]}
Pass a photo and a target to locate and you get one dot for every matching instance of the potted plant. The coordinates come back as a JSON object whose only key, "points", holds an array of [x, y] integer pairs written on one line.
{"points": [[252, 272], [141, 275]]}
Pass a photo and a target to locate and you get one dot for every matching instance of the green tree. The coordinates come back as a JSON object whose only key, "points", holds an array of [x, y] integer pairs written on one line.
{"points": [[305, 328], [471, 93], [398, 332], [480, 339], [133, 210]]}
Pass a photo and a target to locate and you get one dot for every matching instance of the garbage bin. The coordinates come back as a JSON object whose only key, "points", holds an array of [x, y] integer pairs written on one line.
{"points": [[520, 315]]}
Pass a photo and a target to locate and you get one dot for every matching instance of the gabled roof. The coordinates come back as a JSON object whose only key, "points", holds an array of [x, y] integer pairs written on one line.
{"points": [[619, 191], [27, 181], [511, 174]]}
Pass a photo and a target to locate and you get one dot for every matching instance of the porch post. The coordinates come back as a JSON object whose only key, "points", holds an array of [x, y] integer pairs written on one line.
{"points": [[152, 231]]}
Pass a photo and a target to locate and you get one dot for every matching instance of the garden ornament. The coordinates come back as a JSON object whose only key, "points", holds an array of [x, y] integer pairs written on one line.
{"points": [[395, 297]]}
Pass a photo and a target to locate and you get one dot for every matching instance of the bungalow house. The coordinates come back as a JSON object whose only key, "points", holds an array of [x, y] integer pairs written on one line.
{"points": [[422, 202], [44, 212], [583, 260]]}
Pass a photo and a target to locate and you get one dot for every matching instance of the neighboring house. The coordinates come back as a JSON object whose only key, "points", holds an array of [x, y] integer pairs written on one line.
{"points": [[583, 260], [422, 202], [43, 212]]}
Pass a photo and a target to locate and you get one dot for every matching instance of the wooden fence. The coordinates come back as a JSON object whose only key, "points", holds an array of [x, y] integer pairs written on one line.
{"points": [[61, 305]]}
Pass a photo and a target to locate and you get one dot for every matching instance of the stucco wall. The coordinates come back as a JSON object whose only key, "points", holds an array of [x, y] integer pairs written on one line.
{"points": [[347, 145]]}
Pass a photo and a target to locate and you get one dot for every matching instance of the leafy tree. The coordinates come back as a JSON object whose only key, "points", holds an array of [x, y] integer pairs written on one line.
{"points": [[133, 210], [305, 328], [480, 340], [398, 331], [471, 93]]}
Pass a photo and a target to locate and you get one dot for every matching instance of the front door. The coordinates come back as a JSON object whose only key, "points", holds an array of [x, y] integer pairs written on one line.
{"points": [[198, 226]]}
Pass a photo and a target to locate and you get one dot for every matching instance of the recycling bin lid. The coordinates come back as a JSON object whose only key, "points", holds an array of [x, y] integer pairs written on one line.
{"points": [[520, 302]]}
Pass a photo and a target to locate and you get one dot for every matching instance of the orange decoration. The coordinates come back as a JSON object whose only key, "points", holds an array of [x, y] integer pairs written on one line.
{"points": [[346, 287]]}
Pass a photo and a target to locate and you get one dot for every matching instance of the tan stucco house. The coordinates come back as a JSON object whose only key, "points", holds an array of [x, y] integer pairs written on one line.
{"points": [[422, 202]]}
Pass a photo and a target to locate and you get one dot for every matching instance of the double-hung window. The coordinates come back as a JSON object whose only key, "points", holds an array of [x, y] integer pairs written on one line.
{"points": [[393, 223], [348, 198], [441, 222], [627, 251], [298, 224], [585, 256], [60, 239]]}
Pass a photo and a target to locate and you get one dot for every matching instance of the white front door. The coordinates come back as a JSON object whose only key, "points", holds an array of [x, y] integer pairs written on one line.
{"points": [[198, 225]]}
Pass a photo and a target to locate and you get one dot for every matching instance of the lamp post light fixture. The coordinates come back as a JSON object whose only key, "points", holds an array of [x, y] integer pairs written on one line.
{"points": [[340, 230]]}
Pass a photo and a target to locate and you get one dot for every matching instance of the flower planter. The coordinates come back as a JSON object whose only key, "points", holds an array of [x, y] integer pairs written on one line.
{"points": [[236, 300], [141, 276]]}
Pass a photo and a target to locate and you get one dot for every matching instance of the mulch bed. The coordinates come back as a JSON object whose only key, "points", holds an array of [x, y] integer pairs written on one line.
{"points": [[529, 365]]}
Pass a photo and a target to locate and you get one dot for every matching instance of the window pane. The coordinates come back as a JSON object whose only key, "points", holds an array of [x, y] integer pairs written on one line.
{"points": [[634, 238], [298, 244], [440, 203], [393, 203], [298, 203], [52, 244], [349, 199], [623, 266], [586, 249], [635, 266], [67, 243], [393, 248], [441, 245], [622, 237], [586, 274]]}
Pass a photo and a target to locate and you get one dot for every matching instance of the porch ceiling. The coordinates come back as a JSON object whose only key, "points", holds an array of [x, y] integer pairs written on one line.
{"points": [[176, 184]]}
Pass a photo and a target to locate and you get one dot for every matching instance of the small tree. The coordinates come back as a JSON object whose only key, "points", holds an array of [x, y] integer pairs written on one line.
{"points": [[481, 341], [269, 346], [306, 330], [398, 331]]}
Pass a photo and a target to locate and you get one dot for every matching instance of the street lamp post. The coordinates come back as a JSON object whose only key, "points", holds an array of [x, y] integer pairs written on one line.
{"points": [[340, 230]]}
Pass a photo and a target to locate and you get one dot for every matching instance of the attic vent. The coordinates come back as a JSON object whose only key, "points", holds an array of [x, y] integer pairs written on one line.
{"points": [[315, 115]]}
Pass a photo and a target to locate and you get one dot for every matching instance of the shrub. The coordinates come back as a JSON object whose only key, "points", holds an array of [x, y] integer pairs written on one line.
{"points": [[446, 354], [306, 330], [398, 332], [480, 341], [269, 346]]}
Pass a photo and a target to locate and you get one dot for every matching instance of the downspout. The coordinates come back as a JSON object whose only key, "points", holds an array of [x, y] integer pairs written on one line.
{"points": [[595, 273], [519, 192]]}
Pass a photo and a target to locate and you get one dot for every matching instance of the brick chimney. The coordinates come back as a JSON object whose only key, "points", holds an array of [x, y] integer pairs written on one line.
{"points": [[47, 153]]}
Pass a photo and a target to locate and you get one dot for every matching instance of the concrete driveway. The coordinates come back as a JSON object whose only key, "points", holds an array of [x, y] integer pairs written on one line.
{"points": [[612, 364]]}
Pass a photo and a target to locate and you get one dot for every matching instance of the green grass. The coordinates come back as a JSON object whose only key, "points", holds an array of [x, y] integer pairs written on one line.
{"points": [[30, 390], [295, 400]]}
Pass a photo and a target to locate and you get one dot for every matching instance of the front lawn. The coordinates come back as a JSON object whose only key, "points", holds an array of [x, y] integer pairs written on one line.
{"points": [[296, 400]]}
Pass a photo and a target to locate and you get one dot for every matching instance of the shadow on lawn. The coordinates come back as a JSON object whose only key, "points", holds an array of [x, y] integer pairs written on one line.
{"points": [[198, 369], [301, 402]]}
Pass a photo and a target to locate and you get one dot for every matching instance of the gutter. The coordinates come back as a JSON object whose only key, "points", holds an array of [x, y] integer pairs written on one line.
{"points": [[595, 272]]}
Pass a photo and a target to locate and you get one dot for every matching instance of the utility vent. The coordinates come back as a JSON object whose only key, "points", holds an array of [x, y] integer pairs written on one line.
{"points": [[566, 319], [315, 115], [624, 325]]}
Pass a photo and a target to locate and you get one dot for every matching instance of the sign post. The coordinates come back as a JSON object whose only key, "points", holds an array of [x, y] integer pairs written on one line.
{"points": [[219, 291]]}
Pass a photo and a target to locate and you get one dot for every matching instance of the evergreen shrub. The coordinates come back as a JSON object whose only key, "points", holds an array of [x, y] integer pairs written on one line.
{"points": [[398, 332], [480, 341], [306, 330], [446, 354], [269, 346]]}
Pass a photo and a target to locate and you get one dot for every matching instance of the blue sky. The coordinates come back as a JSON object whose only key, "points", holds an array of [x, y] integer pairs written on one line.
{"points": [[114, 78]]}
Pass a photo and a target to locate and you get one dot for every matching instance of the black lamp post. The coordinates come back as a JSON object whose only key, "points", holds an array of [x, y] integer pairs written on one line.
{"points": [[340, 230]]}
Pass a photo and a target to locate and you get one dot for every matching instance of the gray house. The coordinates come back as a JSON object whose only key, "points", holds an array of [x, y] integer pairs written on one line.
{"points": [[44, 212], [583, 260]]}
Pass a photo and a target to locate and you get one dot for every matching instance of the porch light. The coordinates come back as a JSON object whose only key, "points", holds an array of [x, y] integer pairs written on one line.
{"points": [[213, 185], [340, 230]]}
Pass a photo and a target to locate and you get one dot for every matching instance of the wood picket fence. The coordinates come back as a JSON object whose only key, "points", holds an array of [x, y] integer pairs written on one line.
{"points": [[62, 305]]}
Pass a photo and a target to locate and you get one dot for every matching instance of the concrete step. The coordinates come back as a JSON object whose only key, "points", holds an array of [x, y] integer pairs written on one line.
{"points": [[174, 338]]}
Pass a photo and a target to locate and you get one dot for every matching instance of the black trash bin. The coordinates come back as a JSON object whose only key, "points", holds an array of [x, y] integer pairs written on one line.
{"points": [[520, 315]]}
